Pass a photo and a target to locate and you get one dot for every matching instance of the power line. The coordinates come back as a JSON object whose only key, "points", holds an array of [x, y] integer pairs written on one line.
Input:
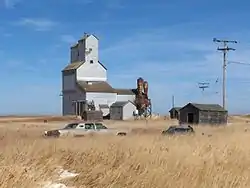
{"points": [[236, 62], [224, 49]]}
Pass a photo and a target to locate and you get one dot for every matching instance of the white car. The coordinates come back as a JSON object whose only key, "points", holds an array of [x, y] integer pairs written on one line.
{"points": [[84, 128]]}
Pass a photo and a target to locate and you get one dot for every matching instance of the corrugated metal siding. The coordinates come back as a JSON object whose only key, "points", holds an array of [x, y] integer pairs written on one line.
{"points": [[67, 107], [91, 42], [68, 98], [81, 48], [91, 72], [69, 81], [74, 54]]}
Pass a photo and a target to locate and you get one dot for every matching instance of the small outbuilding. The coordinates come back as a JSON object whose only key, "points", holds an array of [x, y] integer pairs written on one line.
{"points": [[174, 112], [122, 110], [194, 113]]}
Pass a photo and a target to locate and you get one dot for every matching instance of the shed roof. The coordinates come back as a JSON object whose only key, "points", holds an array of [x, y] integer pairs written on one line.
{"points": [[208, 107], [125, 91], [103, 106], [86, 35], [175, 108], [74, 45], [73, 66], [77, 64], [96, 86], [119, 103]]}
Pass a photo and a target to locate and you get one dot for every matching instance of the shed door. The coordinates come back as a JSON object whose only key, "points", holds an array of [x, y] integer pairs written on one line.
{"points": [[119, 112]]}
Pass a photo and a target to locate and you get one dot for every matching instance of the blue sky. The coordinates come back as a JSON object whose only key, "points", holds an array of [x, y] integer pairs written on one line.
{"points": [[169, 43]]}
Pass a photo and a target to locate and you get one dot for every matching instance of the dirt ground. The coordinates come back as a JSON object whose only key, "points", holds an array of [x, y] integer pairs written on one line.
{"points": [[214, 157]]}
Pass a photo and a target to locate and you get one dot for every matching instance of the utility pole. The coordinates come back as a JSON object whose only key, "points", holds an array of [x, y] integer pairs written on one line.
{"points": [[172, 101], [203, 85], [224, 49]]}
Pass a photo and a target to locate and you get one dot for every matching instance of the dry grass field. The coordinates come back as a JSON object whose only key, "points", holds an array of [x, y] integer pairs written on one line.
{"points": [[218, 158]]}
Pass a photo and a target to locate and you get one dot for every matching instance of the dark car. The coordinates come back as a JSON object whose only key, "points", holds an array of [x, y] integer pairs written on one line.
{"points": [[172, 130]]}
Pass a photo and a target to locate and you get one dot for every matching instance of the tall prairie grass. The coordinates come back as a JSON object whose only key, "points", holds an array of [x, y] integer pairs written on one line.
{"points": [[218, 158]]}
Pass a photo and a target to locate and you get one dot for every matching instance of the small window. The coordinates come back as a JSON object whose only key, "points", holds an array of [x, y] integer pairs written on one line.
{"points": [[71, 126], [91, 61], [89, 126], [100, 126]]}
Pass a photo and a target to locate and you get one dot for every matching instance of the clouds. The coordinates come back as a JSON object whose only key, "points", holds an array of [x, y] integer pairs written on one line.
{"points": [[69, 39], [9, 4], [174, 63], [38, 24], [152, 39]]}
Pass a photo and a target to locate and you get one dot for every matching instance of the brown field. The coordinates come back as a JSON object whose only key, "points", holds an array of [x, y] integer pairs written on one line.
{"points": [[219, 158]]}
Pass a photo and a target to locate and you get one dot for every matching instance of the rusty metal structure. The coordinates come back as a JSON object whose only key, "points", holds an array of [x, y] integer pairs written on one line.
{"points": [[142, 101]]}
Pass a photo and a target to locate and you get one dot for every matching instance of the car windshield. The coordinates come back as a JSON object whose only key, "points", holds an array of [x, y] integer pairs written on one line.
{"points": [[171, 128], [181, 129], [100, 126], [71, 126]]}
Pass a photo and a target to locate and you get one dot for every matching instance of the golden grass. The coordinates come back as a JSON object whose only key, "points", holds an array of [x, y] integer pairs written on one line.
{"points": [[142, 160]]}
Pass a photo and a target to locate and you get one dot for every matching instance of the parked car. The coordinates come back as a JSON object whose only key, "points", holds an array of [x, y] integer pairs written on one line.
{"points": [[77, 129], [173, 130]]}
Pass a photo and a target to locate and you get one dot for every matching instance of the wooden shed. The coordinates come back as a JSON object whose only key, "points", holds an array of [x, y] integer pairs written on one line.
{"points": [[194, 113], [122, 110], [174, 112], [92, 115]]}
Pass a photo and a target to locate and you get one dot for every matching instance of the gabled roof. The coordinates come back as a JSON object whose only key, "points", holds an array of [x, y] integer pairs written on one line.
{"points": [[96, 86], [74, 45], [175, 108], [119, 103], [77, 64], [102, 65], [83, 38], [125, 91], [73, 66], [103, 106], [88, 35], [207, 107]]}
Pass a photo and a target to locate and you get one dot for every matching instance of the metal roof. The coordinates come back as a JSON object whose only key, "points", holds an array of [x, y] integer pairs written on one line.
{"points": [[96, 86], [85, 36], [73, 66], [175, 108], [119, 103], [125, 91], [103, 106], [208, 107], [77, 64]]}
